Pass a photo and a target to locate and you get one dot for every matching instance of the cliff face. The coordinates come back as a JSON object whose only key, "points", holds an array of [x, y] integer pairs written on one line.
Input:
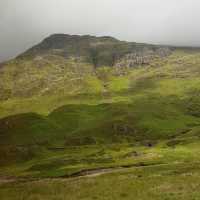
{"points": [[143, 57]]}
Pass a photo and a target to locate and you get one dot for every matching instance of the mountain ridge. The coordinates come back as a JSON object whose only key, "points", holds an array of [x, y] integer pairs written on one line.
{"points": [[106, 50], [67, 37]]}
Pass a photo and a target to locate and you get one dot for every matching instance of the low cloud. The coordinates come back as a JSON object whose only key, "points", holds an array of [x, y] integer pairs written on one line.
{"points": [[25, 22]]}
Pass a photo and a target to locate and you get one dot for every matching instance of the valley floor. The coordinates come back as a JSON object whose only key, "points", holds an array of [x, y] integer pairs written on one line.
{"points": [[165, 182], [165, 171]]}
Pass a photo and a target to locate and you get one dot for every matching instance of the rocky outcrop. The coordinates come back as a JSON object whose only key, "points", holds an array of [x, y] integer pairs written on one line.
{"points": [[142, 57]]}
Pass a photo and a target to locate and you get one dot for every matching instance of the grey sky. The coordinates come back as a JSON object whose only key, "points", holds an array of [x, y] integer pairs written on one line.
{"points": [[24, 23]]}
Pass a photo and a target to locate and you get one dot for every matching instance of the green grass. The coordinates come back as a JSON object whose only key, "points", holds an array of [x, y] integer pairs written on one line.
{"points": [[153, 102], [147, 117], [176, 176]]}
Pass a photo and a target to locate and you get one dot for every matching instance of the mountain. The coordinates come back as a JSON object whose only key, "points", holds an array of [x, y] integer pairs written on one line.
{"points": [[98, 51], [66, 63], [77, 102]]}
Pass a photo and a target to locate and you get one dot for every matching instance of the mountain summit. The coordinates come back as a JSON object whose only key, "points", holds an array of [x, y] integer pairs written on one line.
{"points": [[98, 51]]}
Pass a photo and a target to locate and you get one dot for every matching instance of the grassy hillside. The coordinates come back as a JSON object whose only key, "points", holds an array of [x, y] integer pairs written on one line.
{"points": [[71, 65], [61, 115], [145, 105]]}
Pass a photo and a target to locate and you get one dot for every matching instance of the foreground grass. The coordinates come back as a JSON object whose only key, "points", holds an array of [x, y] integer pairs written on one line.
{"points": [[68, 161], [168, 170], [173, 181]]}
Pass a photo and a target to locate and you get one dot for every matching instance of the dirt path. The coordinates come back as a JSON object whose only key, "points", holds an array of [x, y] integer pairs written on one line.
{"points": [[100, 171], [82, 173], [94, 172], [7, 180]]}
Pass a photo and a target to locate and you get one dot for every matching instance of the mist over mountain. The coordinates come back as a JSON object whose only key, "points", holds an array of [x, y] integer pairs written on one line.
{"points": [[24, 23]]}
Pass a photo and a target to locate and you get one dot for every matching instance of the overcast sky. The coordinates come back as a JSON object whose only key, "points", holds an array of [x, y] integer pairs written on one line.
{"points": [[24, 23]]}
